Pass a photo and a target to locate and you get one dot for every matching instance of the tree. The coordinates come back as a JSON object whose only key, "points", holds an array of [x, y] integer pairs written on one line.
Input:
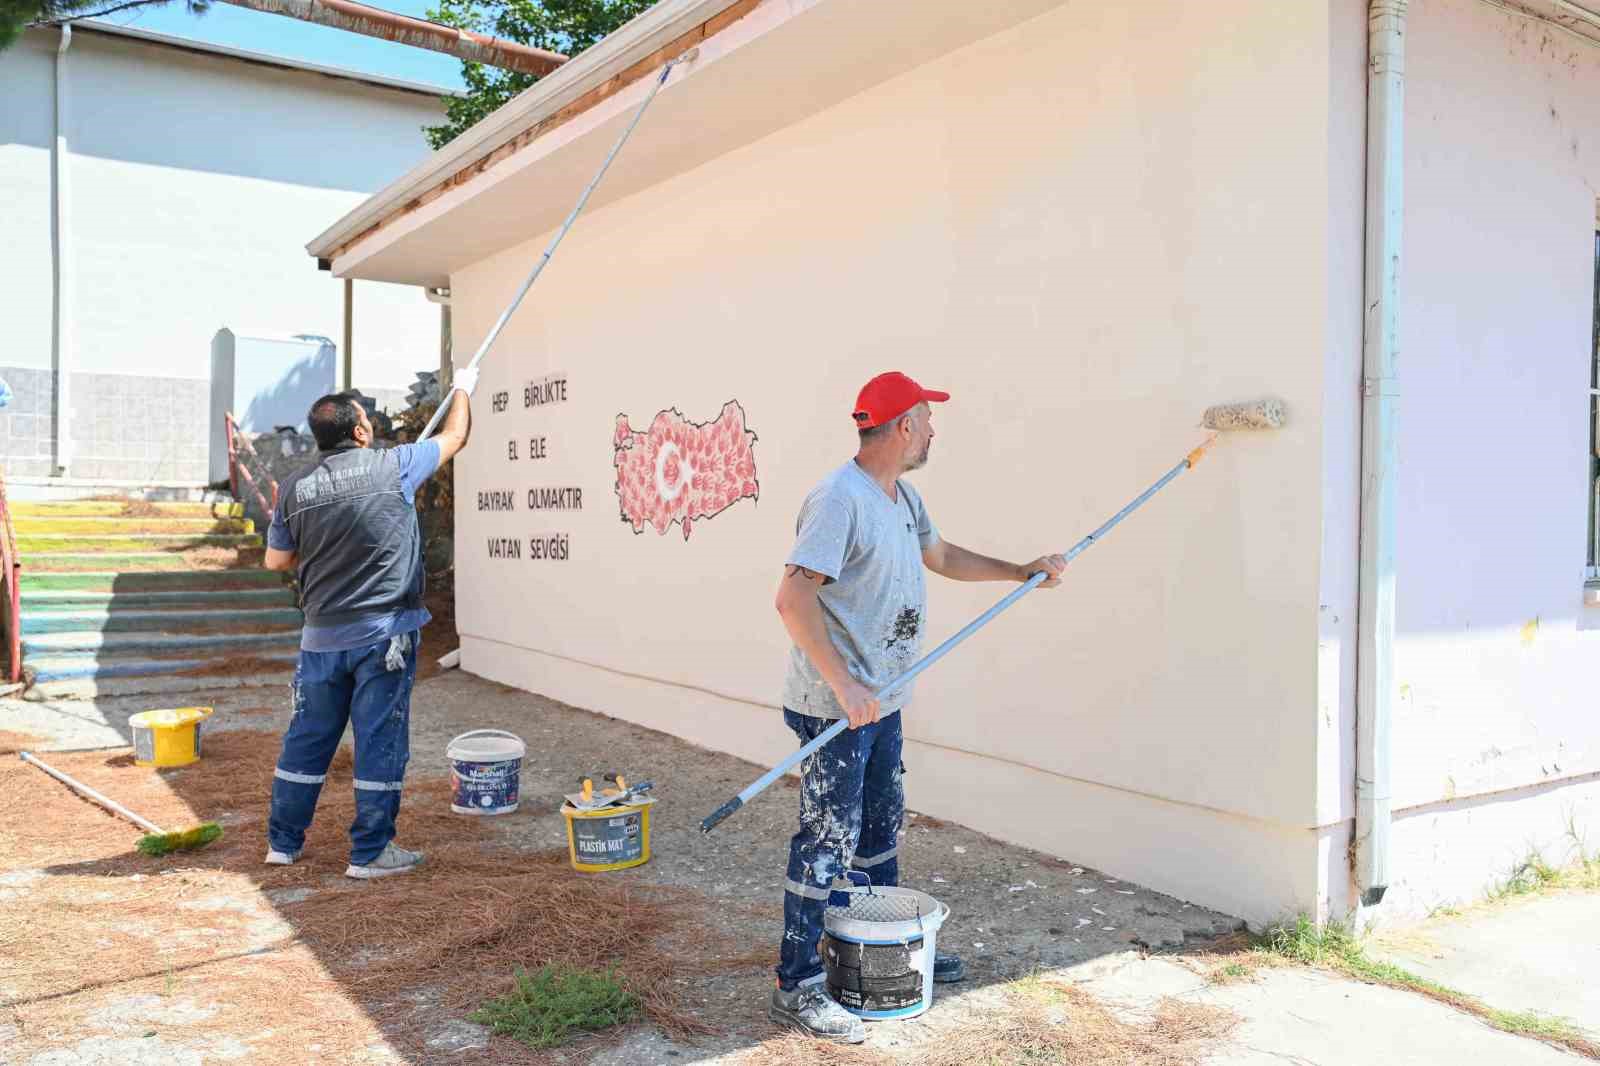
{"points": [[567, 26], [18, 15]]}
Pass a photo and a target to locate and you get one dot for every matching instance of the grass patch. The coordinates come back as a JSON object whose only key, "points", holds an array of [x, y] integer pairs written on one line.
{"points": [[1334, 947], [547, 1007]]}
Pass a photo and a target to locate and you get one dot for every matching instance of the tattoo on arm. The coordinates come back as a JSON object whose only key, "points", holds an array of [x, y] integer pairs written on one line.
{"points": [[809, 575]]}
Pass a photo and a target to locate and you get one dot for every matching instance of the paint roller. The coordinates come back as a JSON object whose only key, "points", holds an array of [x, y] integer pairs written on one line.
{"points": [[688, 56], [1266, 414]]}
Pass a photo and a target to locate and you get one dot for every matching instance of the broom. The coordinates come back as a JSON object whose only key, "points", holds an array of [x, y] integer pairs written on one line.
{"points": [[157, 841], [1262, 414]]}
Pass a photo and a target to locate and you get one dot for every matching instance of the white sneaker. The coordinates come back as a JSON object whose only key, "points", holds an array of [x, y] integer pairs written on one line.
{"points": [[811, 1010], [282, 858], [392, 860]]}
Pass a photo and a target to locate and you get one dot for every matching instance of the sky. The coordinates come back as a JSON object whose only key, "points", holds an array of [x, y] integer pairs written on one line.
{"points": [[278, 35]]}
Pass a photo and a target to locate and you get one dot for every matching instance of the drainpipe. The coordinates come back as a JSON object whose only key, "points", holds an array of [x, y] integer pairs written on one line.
{"points": [[1380, 391], [62, 333], [446, 366]]}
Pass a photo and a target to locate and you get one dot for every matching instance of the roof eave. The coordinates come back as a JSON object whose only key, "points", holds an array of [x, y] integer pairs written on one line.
{"points": [[645, 34]]}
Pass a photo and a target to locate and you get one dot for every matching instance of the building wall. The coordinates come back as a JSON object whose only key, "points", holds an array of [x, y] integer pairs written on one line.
{"points": [[1079, 228], [192, 182], [1496, 739], [1338, 599]]}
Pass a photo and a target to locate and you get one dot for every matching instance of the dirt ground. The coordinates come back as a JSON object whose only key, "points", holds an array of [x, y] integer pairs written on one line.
{"points": [[110, 957]]}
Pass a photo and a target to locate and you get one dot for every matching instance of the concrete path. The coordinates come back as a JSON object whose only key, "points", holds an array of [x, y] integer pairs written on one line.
{"points": [[1533, 954]]}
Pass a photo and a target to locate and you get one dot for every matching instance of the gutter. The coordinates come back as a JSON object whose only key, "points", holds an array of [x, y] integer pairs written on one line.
{"points": [[465, 45], [1380, 395], [652, 31], [61, 334]]}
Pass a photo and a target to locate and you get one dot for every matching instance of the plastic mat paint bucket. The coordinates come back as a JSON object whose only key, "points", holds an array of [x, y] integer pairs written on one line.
{"points": [[877, 947], [168, 737], [611, 838], [485, 771]]}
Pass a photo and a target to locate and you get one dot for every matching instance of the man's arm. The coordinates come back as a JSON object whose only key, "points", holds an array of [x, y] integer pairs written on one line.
{"points": [[280, 560], [456, 427], [802, 617], [959, 564]]}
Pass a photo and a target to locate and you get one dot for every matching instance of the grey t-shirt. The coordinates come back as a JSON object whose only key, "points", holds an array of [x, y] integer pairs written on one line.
{"points": [[875, 601]]}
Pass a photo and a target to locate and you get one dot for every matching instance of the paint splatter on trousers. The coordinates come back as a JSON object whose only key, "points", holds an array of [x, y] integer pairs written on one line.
{"points": [[369, 689], [851, 805]]}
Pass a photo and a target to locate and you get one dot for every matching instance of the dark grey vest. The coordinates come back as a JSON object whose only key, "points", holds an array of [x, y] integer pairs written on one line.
{"points": [[357, 539]]}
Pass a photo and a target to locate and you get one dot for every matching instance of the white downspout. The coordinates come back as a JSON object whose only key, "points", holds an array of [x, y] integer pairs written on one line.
{"points": [[1386, 28], [63, 266]]}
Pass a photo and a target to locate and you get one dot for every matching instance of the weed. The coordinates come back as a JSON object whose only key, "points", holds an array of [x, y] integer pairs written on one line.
{"points": [[546, 1007]]}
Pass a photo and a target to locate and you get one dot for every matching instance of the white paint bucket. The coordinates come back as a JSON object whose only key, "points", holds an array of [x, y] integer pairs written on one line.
{"points": [[877, 947], [485, 771]]}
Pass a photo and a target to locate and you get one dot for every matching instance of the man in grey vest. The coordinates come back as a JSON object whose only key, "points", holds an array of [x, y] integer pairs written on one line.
{"points": [[855, 604], [348, 526]]}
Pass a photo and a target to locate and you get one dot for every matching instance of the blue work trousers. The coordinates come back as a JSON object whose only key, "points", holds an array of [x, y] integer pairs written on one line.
{"points": [[851, 805], [368, 688]]}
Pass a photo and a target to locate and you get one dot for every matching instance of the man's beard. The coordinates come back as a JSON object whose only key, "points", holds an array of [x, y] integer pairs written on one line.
{"points": [[922, 460]]}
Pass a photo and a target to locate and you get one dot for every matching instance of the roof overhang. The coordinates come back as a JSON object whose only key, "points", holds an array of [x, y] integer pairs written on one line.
{"points": [[762, 65]]}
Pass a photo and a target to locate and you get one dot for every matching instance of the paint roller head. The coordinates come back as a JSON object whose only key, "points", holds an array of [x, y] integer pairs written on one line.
{"points": [[1262, 414], [690, 56]]}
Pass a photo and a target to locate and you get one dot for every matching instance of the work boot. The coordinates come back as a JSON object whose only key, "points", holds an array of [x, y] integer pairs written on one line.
{"points": [[391, 860], [948, 969], [811, 1010], [281, 858]]}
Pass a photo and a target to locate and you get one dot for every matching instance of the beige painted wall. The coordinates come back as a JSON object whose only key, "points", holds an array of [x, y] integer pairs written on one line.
{"points": [[1496, 739], [1087, 229]]}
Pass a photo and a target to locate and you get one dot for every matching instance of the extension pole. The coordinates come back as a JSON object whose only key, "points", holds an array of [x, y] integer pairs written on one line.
{"points": [[766, 779], [533, 276], [88, 793]]}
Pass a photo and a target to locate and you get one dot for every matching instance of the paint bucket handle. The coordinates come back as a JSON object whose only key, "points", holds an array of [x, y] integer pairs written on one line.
{"points": [[840, 897]]}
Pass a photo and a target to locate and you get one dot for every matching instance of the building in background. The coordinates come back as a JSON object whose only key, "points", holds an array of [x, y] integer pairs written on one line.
{"points": [[154, 191], [1087, 222]]}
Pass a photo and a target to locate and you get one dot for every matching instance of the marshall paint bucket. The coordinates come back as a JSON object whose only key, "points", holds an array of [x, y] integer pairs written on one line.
{"points": [[609, 838], [485, 771], [877, 947], [167, 737]]}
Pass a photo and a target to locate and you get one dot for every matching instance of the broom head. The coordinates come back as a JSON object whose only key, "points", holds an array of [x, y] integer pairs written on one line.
{"points": [[180, 840]]}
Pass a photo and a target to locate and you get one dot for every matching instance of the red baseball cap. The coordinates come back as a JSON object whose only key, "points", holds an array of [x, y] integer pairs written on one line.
{"points": [[888, 396]]}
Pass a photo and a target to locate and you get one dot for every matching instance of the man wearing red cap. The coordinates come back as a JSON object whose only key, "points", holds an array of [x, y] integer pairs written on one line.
{"points": [[854, 602]]}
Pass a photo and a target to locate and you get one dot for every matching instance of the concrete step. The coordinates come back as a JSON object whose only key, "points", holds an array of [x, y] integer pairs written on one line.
{"points": [[33, 489], [28, 543], [101, 580], [252, 674], [50, 645], [108, 600], [120, 508], [211, 560], [45, 525], [174, 620], [80, 668]]}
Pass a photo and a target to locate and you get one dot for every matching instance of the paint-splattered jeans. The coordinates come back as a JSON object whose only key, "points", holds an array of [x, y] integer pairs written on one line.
{"points": [[851, 805], [369, 688]]}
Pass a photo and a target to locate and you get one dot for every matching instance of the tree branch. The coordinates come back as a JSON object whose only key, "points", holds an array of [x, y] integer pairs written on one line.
{"points": [[96, 14]]}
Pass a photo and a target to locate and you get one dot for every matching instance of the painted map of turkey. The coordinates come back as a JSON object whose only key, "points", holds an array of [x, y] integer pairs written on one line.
{"points": [[682, 471]]}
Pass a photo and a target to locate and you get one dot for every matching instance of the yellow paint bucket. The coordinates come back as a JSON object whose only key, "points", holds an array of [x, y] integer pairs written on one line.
{"points": [[168, 737], [611, 838]]}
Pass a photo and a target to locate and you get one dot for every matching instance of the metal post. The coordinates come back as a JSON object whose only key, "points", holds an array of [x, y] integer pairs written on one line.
{"points": [[349, 330]]}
